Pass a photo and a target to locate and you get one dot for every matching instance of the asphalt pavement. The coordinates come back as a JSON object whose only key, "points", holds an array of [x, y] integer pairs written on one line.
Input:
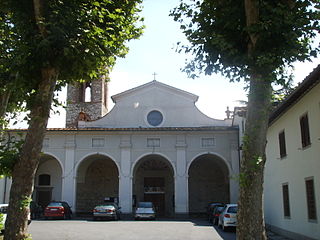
{"points": [[127, 230]]}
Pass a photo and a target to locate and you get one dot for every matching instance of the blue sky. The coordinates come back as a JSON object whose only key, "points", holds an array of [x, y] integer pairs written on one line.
{"points": [[154, 52]]}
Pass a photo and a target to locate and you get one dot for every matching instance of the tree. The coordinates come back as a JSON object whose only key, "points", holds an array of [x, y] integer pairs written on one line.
{"points": [[8, 38], [58, 42], [255, 41]]}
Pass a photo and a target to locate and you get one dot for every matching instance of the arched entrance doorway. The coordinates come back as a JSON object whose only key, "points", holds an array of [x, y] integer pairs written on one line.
{"points": [[208, 182], [97, 181], [48, 181], [153, 181]]}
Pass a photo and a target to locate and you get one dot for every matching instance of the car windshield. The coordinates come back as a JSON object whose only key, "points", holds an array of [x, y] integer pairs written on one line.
{"points": [[219, 209], [232, 209], [109, 205], [145, 204], [55, 204]]}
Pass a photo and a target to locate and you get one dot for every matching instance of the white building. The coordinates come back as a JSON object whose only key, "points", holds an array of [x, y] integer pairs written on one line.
{"points": [[154, 145], [292, 175]]}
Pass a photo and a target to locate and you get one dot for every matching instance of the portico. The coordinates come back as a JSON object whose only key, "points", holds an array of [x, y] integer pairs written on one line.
{"points": [[154, 145]]}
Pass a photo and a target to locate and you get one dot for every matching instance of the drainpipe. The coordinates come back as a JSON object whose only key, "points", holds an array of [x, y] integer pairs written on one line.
{"points": [[5, 190]]}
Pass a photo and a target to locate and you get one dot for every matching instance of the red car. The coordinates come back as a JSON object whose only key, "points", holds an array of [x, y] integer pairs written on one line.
{"points": [[58, 210]]}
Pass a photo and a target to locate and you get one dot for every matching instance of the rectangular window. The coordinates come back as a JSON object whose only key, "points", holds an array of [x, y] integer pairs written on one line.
{"points": [[282, 144], [98, 142], [311, 199], [305, 133], [207, 142], [286, 203], [153, 142]]}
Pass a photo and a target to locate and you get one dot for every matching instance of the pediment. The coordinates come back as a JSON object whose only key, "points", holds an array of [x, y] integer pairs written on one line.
{"points": [[153, 85]]}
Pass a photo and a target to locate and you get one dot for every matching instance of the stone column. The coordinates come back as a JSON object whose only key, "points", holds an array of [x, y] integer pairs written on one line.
{"points": [[233, 175], [125, 179], [181, 178], [68, 178]]}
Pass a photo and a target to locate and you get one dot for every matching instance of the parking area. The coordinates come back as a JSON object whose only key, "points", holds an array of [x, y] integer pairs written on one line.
{"points": [[196, 229]]}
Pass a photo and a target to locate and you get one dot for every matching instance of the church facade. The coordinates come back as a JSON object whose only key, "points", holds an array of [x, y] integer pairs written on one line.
{"points": [[154, 145]]}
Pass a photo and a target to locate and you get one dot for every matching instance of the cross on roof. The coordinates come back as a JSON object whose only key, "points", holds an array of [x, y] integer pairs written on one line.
{"points": [[228, 112], [154, 76]]}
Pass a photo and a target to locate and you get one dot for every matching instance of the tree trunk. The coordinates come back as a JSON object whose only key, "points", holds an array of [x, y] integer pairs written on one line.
{"points": [[24, 170], [250, 215], [4, 99]]}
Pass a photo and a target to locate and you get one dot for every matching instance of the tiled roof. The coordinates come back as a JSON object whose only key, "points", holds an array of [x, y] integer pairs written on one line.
{"points": [[304, 87], [159, 129]]}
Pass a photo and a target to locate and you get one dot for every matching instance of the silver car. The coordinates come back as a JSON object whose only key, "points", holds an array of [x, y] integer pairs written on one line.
{"points": [[145, 210], [228, 217], [107, 210]]}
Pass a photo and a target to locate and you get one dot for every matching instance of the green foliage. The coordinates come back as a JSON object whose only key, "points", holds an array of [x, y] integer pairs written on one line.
{"points": [[25, 202], [218, 37], [8, 40], [28, 237], [81, 39], [1, 222], [9, 154]]}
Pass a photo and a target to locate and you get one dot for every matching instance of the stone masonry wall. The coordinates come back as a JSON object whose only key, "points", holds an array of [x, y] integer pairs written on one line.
{"points": [[94, 109]]}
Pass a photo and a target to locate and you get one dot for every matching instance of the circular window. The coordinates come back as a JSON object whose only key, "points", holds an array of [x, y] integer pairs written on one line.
{"points": [[154, 118]]}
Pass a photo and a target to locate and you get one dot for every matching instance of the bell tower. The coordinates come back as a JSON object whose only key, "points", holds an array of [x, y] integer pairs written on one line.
{"points": [[86, 101]]}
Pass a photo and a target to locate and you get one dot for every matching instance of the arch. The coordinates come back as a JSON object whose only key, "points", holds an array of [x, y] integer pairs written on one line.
{"points": [[49, 166], [153, 181], [93, 154], [87, 93], [138, 159], [208, 181], [55, 156], [213, 154], [97, 178]]}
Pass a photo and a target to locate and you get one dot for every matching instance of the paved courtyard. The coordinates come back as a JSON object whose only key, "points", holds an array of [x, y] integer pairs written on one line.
{"points": [[127, 230]]}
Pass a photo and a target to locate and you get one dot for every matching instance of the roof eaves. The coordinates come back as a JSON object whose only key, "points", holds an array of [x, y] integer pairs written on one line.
{"points": [[305, 86], [160, 129]]}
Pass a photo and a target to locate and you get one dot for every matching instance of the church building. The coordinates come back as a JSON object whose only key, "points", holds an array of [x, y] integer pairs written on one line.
{"points": [[154, 145]]}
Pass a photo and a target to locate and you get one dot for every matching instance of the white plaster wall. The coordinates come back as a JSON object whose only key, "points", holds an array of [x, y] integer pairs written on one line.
{"points": [[177, 107], [5, 185], [224, 141], [56, 146], [294, 168], [125, 148], [170, 143], [51, 167], [137, 148]]}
